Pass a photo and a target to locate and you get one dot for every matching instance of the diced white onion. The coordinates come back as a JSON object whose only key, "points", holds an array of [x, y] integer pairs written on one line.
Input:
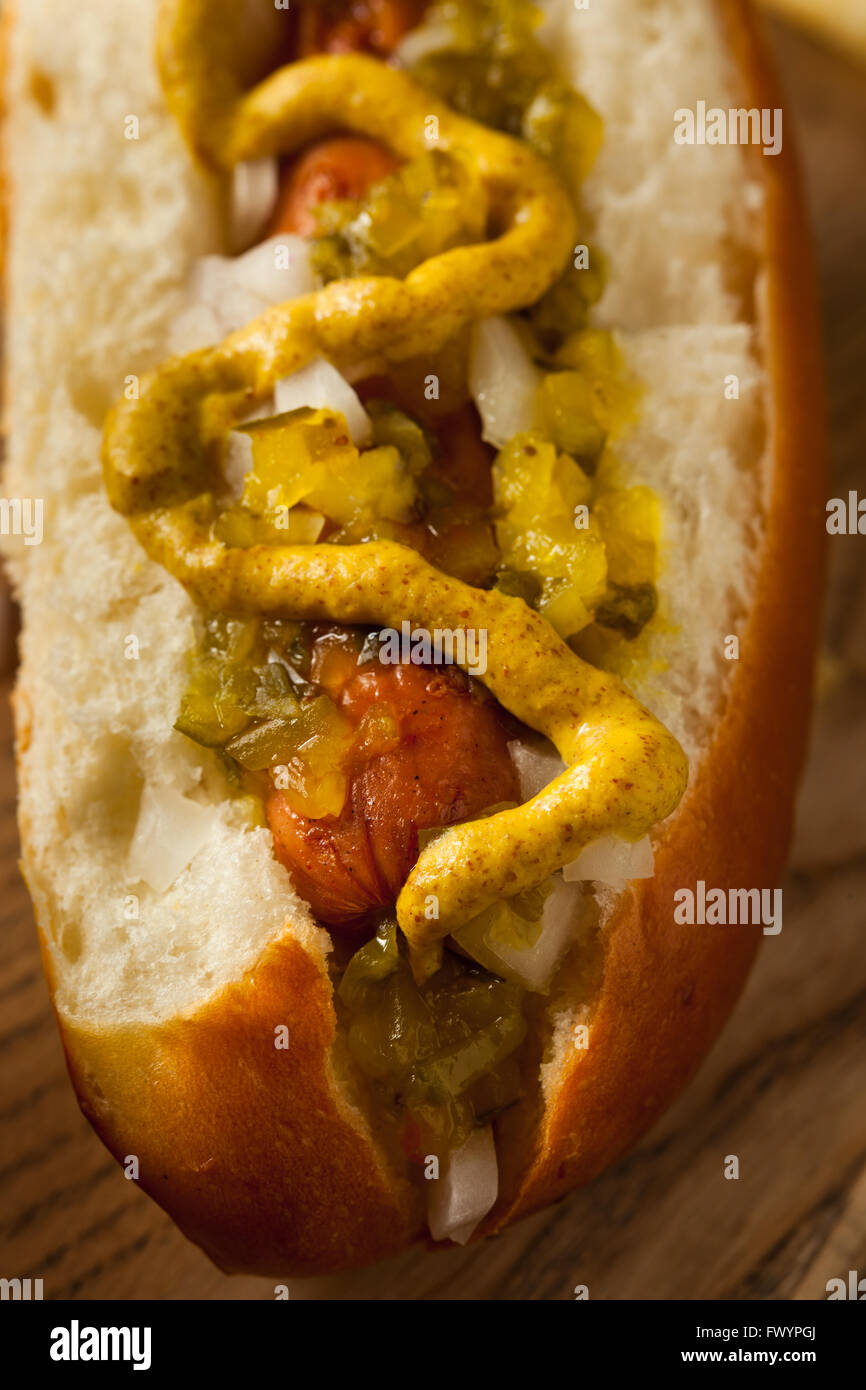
{"points": [[238, 459], [530, 966], [216, 286], [255, 185], [465, 1190], [503, 381], [276, 270], [234, 290], [613, 861], [321, 386], [169, 833], [536, 766], [226, 293]]}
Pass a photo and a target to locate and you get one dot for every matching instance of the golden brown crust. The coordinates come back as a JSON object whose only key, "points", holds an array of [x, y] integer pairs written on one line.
{"points": [[245, 1144], [667, 989]]}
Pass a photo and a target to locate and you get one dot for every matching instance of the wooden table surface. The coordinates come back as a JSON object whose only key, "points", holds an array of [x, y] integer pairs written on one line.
{"points": [[784, 1088]]}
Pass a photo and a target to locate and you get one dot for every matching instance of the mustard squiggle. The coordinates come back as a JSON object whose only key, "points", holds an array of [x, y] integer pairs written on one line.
{"points": [[161, 463]]}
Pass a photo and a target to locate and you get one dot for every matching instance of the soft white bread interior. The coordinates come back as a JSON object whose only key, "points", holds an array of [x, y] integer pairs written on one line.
{"points": [[104, 232]]}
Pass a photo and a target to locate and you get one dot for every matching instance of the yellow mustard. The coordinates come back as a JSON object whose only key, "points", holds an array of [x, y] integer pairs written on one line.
{"points": [[161, 457]]}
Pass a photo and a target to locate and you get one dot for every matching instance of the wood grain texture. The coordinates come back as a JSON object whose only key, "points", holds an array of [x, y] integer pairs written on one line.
{"points": [[783, 1089]]}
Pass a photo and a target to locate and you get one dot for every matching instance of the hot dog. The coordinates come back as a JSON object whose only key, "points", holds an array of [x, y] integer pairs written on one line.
{"points": [[348, 866], [335, 169], [428, 578]]}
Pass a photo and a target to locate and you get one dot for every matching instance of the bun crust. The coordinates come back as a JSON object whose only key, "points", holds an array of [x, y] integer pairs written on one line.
{"points": [[245, 1144], [668, 989]]}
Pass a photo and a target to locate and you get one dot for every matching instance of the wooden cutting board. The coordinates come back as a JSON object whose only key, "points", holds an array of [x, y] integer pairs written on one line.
{"points": [[783, 1088]]}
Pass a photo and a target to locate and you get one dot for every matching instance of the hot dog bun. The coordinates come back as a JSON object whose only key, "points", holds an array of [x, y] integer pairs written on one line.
{"points": [[273, 1160]]}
